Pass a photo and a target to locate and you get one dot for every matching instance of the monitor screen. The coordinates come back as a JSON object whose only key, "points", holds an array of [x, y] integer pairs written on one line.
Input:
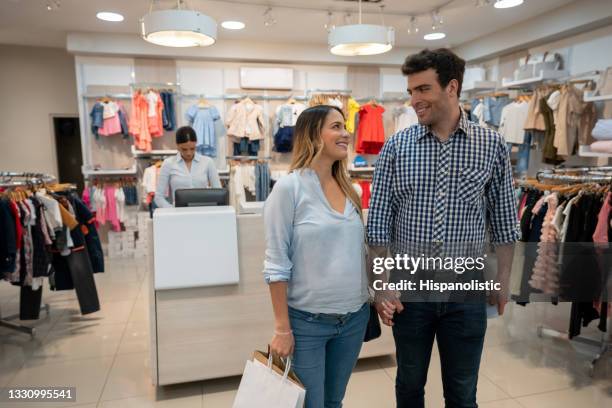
{"points": [[198, 197]]}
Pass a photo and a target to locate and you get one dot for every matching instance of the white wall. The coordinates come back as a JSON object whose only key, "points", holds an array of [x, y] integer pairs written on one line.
{"points": [[35, 84]]}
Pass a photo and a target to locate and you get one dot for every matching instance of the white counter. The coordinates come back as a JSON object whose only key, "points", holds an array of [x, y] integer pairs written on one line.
{"points": [[207, 332]]}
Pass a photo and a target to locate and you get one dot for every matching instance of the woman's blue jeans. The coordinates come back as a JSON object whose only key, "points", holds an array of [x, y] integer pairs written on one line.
{"points": [[326, 350]]}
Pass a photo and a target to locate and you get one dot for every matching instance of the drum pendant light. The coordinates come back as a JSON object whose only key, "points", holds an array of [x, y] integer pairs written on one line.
{"points": [[178, 27], [360, 39]]}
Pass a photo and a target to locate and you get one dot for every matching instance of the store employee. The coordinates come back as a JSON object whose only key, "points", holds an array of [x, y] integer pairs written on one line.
{"points": [[187, 169]]}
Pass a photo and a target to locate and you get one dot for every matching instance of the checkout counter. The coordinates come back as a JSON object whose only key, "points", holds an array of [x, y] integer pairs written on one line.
{"points": [[209, 305]]}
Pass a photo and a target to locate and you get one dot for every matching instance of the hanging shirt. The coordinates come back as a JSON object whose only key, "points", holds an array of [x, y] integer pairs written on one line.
{"points": [[203, 119], [371, 131], [512, 121], [110, 109], [245, 119], [405, 116], [175, 175], [287, 114], [353, 109]]}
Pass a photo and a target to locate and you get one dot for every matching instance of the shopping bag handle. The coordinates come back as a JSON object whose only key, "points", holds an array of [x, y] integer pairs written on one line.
{"points": [[287, 365]]}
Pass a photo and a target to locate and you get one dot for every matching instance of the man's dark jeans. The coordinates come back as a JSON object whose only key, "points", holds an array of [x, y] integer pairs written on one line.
{"points": [[459, 329]]}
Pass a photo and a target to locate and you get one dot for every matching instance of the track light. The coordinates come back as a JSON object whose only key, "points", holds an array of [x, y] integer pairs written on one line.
{"points": [[330, 22], [269, 19], [413, 27]]}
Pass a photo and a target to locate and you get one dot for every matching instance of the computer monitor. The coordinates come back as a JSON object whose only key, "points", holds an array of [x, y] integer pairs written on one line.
{"points": [[199, 197]]}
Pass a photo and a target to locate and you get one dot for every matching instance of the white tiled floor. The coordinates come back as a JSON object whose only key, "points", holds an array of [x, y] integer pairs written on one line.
{"points": [[105, 355]]}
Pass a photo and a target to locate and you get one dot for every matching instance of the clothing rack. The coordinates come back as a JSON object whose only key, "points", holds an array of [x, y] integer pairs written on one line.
{"points": [[6, 179], [28, 180], [248, 158], [223, 97], [591, 175]]}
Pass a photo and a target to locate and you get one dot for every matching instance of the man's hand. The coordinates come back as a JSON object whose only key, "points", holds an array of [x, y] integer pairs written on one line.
{"points": [[387, 308]]}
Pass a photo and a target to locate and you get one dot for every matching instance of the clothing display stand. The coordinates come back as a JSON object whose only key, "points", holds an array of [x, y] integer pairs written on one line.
{"points": [[601, 174], [27, 179], [5, 322]]}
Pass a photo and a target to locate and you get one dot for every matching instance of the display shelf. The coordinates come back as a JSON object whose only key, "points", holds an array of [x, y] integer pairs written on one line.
{"points": [[110, 96], [110, 172], [589, 97], [140, 153], [585, 151], [545, 75], [481, 86], [362, 169]]}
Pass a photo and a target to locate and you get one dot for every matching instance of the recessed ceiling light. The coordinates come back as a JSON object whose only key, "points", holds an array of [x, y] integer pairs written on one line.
{"points": [[233, 25], [109, 16], [434, 36], [502, 4]]}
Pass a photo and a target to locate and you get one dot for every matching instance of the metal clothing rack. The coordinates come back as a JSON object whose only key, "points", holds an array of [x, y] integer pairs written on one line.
{"points": [[597, 174], [27, 179], [590, 175]]}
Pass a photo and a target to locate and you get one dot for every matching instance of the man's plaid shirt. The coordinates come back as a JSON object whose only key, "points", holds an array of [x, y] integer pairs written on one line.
{"points": [[426, 191]]}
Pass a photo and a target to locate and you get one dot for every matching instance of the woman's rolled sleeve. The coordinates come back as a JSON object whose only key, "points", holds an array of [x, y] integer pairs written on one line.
{"points": [[279, 211]]}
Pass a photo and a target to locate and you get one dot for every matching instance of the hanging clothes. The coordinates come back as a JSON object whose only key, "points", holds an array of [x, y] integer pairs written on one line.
{"points": [[245, 119], [204, 121], [146, 119], [365, 193], [286, 117], [108, 118], [513, 117], [353, 109], [404, 116], [371, 132], [168, 113], [262, 181]]}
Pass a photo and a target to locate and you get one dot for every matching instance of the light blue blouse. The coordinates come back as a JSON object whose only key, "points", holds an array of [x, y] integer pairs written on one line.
{"points": [[317, 250], [174, 175]]}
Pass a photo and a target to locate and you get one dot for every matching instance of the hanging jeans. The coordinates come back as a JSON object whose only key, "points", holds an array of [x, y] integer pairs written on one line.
{"points": [[246, 147], [522, 164], [262, 181]]}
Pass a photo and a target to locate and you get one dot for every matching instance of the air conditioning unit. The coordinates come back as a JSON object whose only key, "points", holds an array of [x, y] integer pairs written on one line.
{"points": [[266, 78]]}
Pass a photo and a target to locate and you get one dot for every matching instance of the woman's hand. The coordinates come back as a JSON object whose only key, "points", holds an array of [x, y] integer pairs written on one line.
{"points": [[282, 344]]}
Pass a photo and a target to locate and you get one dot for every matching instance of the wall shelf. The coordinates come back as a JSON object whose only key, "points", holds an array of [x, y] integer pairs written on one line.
{"points": [[589, 97], [585, 151], [545, 75], [110, 172], [481, 86]]}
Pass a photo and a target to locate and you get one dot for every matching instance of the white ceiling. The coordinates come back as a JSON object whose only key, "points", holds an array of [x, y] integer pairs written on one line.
{"points": [[299, 21]]}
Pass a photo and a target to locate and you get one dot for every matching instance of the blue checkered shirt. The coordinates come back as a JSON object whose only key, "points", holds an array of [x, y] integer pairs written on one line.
{"points": [[427, 191]]}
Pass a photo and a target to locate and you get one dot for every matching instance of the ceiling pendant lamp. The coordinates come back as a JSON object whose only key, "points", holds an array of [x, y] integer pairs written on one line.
{"points": [[178, 27], [360, 39]]}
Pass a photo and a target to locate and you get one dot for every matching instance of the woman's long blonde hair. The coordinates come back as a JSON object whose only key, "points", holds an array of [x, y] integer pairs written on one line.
{"points": [[308, 145]]}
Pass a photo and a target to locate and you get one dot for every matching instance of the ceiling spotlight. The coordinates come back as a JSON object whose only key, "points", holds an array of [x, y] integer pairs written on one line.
{"points": [[269, 19], [502, 4], [178, 27], [413, 27], [233, 25], [434, 36], [109, 16], [436, 20], [330, 21]]}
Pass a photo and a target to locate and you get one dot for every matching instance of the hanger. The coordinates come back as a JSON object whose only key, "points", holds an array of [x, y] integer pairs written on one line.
{"points": [[248, 100], [203, 103], [291, 100]]}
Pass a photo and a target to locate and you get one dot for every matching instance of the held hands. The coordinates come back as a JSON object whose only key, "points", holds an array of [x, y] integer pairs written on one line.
{"points": [[282, 343], [387, 304]]}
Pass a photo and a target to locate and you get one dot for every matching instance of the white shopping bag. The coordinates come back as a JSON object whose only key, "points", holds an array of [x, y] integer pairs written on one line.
{"points": [[262, 386]]}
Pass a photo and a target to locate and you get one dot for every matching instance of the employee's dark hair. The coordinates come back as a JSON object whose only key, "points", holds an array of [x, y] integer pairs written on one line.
{"points": [[445, 62], [186, 134]]}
